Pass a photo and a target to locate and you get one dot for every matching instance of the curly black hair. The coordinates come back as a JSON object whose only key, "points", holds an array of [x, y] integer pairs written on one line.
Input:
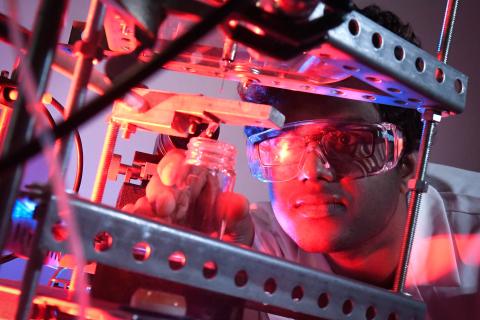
{"points": [[408, 120]]}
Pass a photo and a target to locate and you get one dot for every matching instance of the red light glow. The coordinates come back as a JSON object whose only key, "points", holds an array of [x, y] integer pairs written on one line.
{"points": [[13, 95], [233, 23], [435, 258], [8, 294]]}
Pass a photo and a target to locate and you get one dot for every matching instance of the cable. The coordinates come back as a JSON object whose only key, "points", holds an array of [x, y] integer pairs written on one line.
{"points": [[78, 142], [79, 172], [129, 79], [78, 146]]}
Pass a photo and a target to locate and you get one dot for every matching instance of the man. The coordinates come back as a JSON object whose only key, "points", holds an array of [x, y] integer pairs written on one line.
{"points": [[337, 175]]}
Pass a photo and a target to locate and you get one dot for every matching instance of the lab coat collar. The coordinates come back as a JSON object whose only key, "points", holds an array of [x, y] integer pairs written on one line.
{"points": [[433, 261]]}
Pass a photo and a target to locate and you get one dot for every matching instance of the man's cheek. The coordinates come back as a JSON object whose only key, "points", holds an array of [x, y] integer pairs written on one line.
{"points": [[365, 189], [352, 190]]}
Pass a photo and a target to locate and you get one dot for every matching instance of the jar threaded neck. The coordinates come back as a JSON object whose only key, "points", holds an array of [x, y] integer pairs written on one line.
{"points": [[215, 155]]}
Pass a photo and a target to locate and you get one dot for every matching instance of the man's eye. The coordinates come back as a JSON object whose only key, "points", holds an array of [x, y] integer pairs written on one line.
{"points": [[341, 142], [341, 139], [346, 139]]}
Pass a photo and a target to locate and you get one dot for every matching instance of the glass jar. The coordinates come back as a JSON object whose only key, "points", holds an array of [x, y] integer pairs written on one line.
{"points": [[219, 159]]}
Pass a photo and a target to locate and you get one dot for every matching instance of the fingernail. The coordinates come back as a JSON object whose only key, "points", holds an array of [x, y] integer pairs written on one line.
{"points": [[168, 175]]}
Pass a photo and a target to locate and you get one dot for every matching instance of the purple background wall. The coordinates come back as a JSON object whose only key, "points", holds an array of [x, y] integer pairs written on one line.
{"points": [[456, 142]]}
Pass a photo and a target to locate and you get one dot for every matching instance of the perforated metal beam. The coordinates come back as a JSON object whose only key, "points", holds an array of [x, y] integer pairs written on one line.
{"points": [[299, 290], [420, 77], [389, 69]]}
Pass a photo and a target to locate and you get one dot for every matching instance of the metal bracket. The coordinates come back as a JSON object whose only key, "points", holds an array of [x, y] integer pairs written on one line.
{"points": [[417, 185], [172, 114]]}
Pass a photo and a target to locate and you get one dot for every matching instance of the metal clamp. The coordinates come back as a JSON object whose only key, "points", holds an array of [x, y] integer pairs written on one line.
{"points": [[417, 185]]}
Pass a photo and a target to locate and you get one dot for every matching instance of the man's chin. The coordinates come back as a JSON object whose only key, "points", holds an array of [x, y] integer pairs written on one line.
{"points": [[315, 246]]}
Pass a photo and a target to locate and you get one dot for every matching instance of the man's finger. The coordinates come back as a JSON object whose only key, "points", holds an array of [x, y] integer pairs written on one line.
{"points": [[164, 206], [169, 168], [232, 206], [143, 207], [206, 217], [162, 199], [129, 207], [154, 187]]}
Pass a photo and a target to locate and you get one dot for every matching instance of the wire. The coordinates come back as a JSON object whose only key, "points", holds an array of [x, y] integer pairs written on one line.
{"points": [[78, 146], [25, 34], [125, 81], [78, 142]]}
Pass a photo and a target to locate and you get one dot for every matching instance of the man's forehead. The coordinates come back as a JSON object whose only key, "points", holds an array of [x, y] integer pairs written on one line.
{"points": [[298, 106]]}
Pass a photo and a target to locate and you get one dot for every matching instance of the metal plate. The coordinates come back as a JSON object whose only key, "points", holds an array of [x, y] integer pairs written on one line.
{"points": [[299, 290], [172, 113]]}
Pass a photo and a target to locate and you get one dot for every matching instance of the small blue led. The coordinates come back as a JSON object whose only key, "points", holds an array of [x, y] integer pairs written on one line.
{"points": [[23, 209]]}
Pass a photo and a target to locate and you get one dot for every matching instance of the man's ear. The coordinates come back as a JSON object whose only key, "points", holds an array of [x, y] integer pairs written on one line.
{"points": [[407, 170]]}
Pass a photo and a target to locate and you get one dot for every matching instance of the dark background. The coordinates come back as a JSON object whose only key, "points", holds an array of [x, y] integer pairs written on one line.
{"points": [[457, 141]]}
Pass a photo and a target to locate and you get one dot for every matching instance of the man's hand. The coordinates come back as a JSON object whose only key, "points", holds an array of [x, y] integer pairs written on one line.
{"points": [[187, 195]]}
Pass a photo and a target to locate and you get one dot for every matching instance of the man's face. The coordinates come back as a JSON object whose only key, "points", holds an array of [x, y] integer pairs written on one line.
{"points": [[325, 213]]}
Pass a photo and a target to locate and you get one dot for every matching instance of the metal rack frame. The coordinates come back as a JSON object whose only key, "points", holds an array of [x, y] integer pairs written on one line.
{"points": [[408, 74]]}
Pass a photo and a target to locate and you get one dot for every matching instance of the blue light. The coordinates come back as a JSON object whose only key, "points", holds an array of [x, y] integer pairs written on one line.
{"points": [[307, 64], [23, 209]]}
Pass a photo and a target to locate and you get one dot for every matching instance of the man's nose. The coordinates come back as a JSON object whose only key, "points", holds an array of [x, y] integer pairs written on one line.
{"points": [[316, 167]]}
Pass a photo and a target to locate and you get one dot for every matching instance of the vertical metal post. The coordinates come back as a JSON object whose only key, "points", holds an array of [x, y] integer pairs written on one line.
{"points": [[5, 115], [447, 30], [86, 50], [417, 184], [105, 160], [39, 59]]}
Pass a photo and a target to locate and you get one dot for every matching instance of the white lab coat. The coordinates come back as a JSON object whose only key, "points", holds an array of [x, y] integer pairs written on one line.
{"points": [[445, 258]]}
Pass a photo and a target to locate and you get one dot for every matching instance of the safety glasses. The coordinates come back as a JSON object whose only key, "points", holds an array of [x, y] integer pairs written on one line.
{"points": [[353, 150]]}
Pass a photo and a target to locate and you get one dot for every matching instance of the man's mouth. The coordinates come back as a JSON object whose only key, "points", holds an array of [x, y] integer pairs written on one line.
{"points": [[312, 207]]}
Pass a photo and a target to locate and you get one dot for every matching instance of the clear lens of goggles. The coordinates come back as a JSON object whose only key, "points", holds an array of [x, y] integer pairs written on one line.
{"points": [[353, 150]]}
